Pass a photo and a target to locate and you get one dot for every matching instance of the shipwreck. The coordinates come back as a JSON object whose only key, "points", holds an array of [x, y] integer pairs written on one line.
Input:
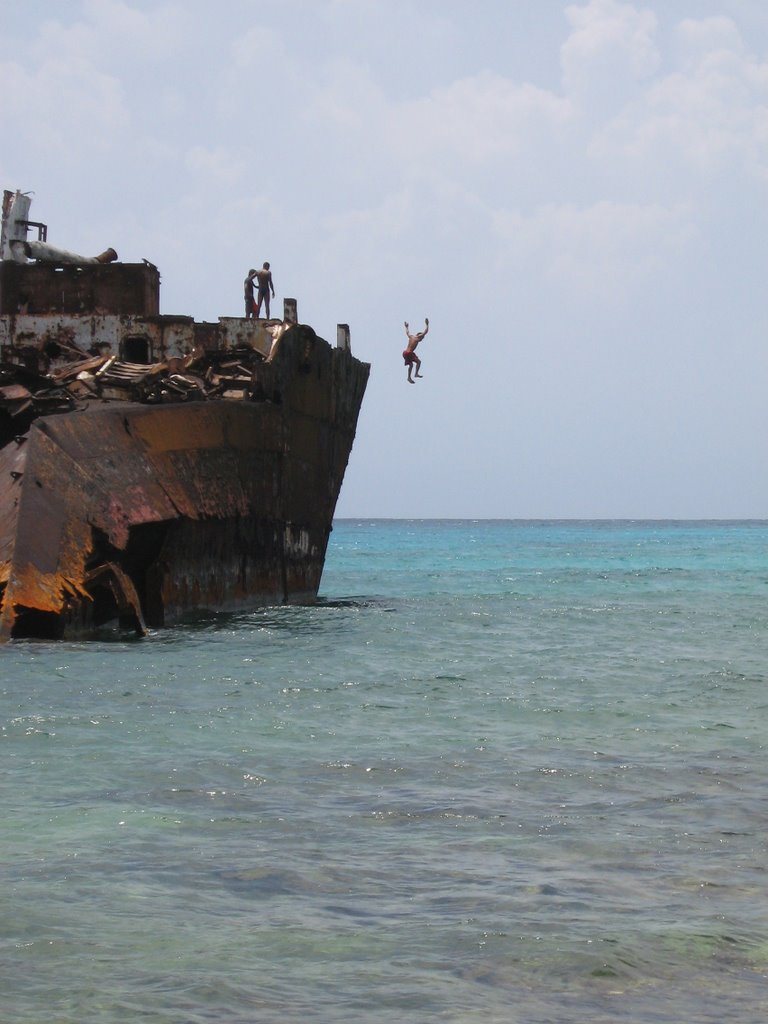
{"points": [[152, 466]]}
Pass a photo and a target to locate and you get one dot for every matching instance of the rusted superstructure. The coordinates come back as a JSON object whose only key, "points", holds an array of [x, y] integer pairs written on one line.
{"points": [[150, 465]]}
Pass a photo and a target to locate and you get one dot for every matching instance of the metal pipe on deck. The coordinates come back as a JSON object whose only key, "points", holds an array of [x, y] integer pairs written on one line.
{"points": [[44, 252]]}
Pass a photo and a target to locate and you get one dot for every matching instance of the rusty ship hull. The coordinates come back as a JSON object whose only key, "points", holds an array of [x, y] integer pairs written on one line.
{"points": [[203, 477]]}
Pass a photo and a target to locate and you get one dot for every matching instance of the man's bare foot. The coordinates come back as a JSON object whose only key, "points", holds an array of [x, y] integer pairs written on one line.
{"points": [[419, 374], [411, 381]]}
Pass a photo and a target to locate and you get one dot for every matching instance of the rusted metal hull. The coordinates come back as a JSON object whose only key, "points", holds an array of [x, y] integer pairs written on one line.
{"points": [[150, 465], [142, 513]]}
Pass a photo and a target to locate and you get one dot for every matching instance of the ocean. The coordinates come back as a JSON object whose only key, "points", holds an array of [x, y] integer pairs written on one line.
{"points": [[506, 772]]}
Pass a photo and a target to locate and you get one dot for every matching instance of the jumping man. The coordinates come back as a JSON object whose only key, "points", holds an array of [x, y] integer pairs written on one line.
{"points": [[409, 354]]}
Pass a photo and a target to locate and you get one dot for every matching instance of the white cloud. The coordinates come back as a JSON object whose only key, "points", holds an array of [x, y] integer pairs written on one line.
{"points": [[66, 110], [346, 99], [214, 167], [111, 31], [707, 117], [707, 37], [610, 50], [477, 120], [606, 252]]}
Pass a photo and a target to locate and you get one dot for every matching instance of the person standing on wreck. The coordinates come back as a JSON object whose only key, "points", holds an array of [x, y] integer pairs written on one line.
{"points": [[250, 305], [409, 353], [265, 283]]}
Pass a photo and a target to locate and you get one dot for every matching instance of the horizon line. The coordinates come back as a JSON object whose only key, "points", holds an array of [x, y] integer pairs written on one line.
{"points": [[552, 519]]}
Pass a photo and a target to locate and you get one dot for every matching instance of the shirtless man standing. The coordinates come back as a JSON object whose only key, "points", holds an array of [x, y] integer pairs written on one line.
{"points": [[265, 283], [409, 354], [248, 294]]}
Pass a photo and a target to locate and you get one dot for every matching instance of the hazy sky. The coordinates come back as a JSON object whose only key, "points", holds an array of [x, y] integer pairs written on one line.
{"points": [[576, 194]]}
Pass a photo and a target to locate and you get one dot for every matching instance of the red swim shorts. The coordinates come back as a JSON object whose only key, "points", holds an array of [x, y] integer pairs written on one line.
{"points": [[409, 357]]}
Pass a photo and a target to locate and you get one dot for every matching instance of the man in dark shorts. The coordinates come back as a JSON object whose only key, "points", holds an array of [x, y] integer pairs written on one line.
{"points": [[265, 283], [409, 353], [250, 306]]}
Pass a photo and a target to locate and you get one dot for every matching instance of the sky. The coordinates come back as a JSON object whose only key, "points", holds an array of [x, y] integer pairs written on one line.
{"points": [[574, 193]]}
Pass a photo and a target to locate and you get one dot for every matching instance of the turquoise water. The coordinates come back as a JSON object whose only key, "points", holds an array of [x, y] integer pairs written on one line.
{"points": [[503, 772]]}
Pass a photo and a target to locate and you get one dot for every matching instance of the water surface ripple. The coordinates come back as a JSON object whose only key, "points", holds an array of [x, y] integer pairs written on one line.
{"points": [[502, 772]]}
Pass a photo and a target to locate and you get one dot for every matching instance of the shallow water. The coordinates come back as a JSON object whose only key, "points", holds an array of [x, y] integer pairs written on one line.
{"points": [[502, 772]]}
